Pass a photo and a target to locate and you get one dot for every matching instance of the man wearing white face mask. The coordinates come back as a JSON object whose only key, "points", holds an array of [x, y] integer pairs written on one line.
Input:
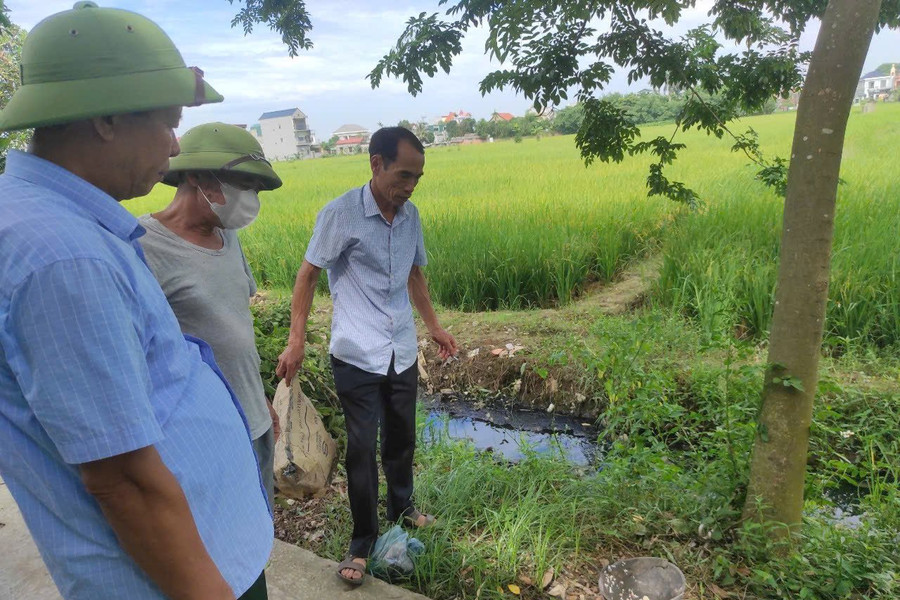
{"points": [[193, 250]]}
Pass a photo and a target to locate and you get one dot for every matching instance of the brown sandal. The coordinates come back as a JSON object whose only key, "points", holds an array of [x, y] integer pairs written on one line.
{"points": [[412, 520], [349, 563]]}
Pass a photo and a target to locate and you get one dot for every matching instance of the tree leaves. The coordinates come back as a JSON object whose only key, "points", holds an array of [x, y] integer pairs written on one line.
{"points": [[425, 45], [553, 50], [11, 40], [606, 132], [286, 17]]}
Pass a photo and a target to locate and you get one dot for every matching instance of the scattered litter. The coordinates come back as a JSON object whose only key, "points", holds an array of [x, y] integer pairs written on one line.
{"points": [[513, 349], [423, 374], [508, 351], [557, 591], [474, 353], [547, 579], [551, 407], [314, 536], [394, 554]]}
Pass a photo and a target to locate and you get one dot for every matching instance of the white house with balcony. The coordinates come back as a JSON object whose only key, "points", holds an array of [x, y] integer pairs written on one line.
{"points": [[874, 84], [285, 134]]}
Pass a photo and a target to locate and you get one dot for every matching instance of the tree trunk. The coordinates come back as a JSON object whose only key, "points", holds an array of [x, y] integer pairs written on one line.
{"points": [[778, 465]]}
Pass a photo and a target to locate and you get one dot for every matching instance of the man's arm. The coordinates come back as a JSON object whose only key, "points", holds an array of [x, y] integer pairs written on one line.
{"points": [[146, 507], [290, 361], [418, 293]]}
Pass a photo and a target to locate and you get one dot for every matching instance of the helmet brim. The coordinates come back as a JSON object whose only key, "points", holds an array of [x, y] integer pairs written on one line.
{"points": [[60, 102], [213, 161]]}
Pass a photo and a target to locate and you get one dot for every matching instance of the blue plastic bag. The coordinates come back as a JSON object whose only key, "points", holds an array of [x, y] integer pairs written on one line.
{"points": [[394, 555]]}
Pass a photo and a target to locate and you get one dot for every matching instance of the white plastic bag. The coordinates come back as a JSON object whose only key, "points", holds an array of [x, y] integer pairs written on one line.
{"points": [[395, 554]]}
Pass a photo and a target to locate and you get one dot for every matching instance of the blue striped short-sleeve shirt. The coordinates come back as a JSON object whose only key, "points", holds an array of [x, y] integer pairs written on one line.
{"points": [[93, 364], [368, 262]]}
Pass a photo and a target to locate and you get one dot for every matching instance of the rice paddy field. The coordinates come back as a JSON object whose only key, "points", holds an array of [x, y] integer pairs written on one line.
{"points": [[522, 225]]}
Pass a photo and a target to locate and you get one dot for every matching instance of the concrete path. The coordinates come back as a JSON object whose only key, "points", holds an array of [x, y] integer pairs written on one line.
{"points": [[293, 573]]}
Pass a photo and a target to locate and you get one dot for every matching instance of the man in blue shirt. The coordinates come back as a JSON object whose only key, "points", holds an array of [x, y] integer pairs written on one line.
{"points": [[120, 440], [370, 241]]}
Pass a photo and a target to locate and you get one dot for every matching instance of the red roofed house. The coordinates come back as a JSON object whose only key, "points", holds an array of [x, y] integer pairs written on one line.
{"points": [[497, 117], [458, 117], [351, 139]]}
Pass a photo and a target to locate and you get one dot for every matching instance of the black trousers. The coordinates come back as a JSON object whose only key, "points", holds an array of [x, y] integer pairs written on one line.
{"points": [[369, 399], [257, 591]]}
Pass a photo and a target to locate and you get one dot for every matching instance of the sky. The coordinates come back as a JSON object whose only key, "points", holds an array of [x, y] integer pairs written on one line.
{"points": [[256, 75]]}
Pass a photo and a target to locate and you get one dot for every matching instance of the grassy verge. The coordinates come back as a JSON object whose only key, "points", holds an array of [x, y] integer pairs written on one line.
{"points": [[677, 410]]}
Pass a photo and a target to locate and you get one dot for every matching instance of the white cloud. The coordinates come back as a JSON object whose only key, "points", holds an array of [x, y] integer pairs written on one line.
{"points": [[328, 83]]}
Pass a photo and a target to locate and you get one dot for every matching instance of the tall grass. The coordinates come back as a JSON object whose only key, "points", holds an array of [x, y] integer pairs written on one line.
{"points": [[521, 225], [720, 264], [506, 225]]}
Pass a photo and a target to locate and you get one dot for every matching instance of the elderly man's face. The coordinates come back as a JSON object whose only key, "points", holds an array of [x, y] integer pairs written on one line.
{"points": [[396, 182], [147, 142]]}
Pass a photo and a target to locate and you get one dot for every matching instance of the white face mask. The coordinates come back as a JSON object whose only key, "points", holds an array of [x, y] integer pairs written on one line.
{"points": [[240, 209]]}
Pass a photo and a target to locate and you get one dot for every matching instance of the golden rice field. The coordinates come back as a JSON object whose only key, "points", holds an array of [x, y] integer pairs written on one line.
{"points": [[512, 225]]}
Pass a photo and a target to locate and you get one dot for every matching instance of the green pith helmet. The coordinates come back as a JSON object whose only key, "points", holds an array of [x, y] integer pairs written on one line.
{"points": [[92, 62], [222, 148]]}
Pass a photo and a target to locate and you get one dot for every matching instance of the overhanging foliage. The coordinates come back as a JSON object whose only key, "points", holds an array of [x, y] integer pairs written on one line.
{"points": [[551, 50]]}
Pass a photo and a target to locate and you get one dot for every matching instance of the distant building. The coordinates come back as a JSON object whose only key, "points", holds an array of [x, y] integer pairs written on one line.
{"points": [[285, 134], [465, 140], [499, 117], [351, 139], [547, 114], [456, 116], [878, 83], [789, 103]]}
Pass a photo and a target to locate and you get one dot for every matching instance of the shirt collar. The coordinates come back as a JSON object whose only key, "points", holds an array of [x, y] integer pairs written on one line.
{"points": [[89, 199], [371, 207]]}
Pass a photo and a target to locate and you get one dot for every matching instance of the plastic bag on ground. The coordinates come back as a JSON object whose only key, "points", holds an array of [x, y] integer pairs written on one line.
{"points": [[395, 554]]}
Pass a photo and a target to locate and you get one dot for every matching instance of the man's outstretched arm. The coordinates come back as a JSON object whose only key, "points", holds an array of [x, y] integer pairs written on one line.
{"points": [[290, 361], [421, 299]]}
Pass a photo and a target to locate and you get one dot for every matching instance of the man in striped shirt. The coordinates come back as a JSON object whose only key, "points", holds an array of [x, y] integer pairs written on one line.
{"points": [[370, 241], [120, 440]]}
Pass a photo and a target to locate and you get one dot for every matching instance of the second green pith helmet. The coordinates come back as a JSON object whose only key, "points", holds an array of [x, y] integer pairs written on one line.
{"points": [[92, 62], [222, 148]]}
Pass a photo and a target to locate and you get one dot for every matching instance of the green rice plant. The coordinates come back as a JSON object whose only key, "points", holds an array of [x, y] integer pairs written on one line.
{"points": [[528, 225], [506, 225], [722, 262]]}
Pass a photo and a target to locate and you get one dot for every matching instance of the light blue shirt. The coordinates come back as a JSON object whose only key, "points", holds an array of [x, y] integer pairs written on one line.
{"points": [[92, 365], [368, 262]]}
